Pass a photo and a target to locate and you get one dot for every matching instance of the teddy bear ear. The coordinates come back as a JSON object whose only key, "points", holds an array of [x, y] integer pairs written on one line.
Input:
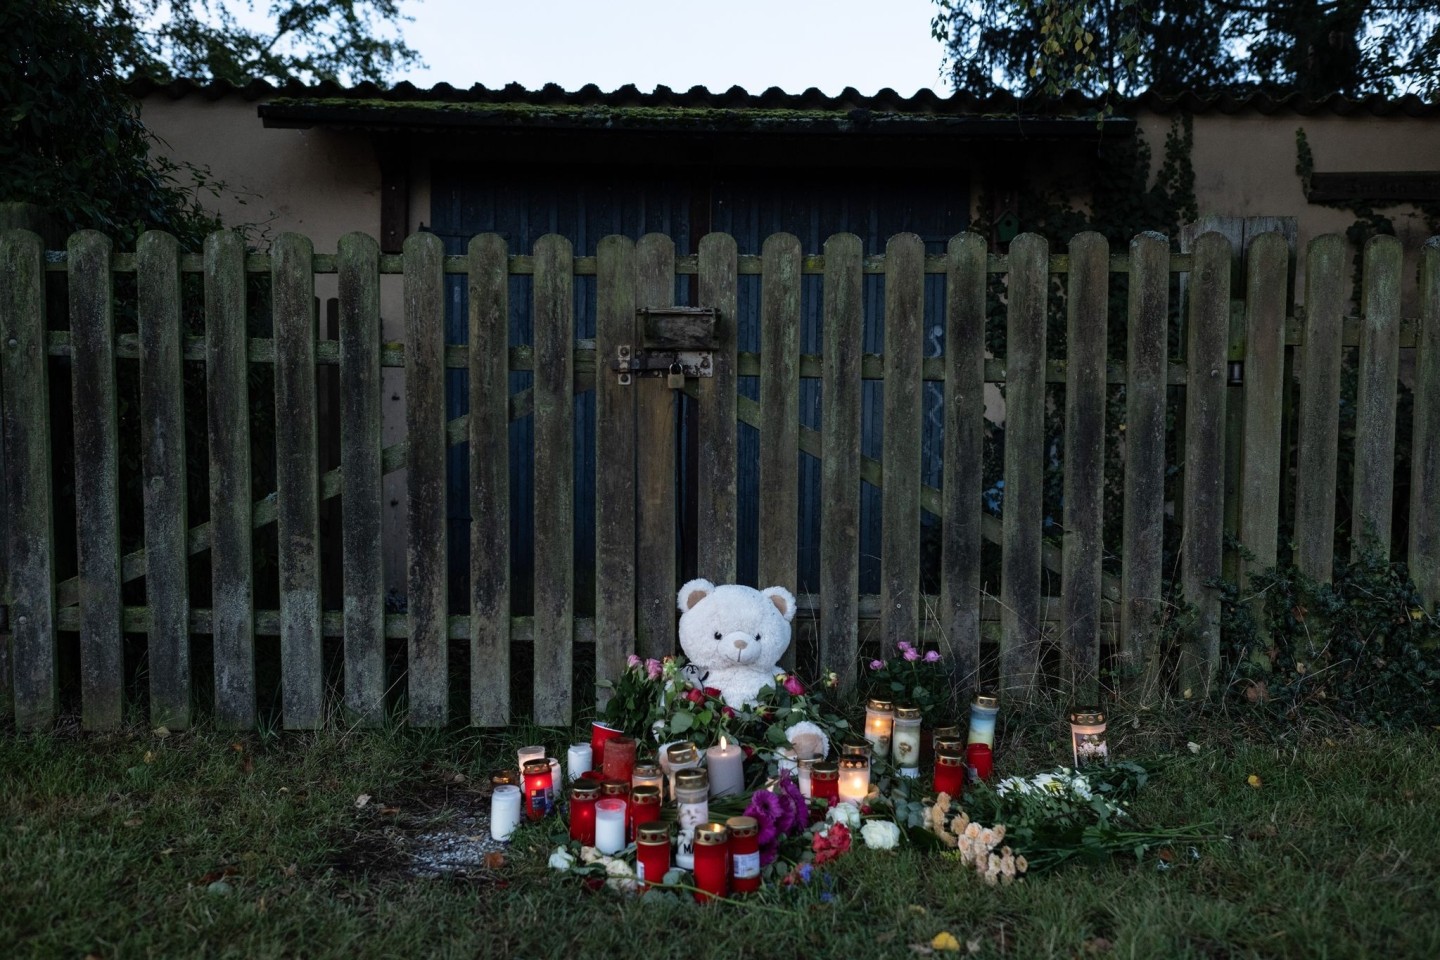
{"points": [[783, 599], [692, 593]]}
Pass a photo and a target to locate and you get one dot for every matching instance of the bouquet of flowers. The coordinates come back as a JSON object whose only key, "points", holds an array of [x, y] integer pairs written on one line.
{"points": [[912, 676]]}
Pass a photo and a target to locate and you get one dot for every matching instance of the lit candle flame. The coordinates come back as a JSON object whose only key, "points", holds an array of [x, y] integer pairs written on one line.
{"points": [[724, 744]]}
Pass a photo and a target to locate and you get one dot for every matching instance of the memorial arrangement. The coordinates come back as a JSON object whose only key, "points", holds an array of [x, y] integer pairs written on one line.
{"points": [[715, 773]]}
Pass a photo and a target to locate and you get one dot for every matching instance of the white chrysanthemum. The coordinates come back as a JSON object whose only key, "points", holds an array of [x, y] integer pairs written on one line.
{"points": [[880, 834], [987, 838], [972, 831], [1016, 784], [808, 740], [561, 859], [846, 813]]}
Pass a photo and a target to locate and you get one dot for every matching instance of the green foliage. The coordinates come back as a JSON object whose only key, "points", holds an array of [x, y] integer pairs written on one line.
{"points": [[1354, 47], [1362, 646], [912, 678]]}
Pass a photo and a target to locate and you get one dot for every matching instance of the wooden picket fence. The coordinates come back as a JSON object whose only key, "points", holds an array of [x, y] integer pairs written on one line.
{"points": [[636, 558]]}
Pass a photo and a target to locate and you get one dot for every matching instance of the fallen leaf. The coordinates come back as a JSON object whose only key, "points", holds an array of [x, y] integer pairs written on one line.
{"points": [[238, 747], [361, 801], [149, 756], [494, 860], [1166, 854], [1098, 945], [1253, 780], [885, 937], [1192, 746], [247, 765], [458, 778], [290, 870], [945, 940], [134, 822], [389, 811], [166, 852], [917, 909], [161, 732]]}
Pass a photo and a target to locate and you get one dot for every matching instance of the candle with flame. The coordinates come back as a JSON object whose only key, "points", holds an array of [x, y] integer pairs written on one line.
{"points": [[725, 761]]}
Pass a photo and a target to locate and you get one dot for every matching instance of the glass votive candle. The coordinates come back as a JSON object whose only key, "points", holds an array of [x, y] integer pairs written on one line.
{"points": [[825, 780], [692, 797], [1087, 737], [610, 824], [647, 775], [578, 759], [599, 734], [744, 854], [557, 782], [537, 788], [583, 796], [644, 807], [679, 756], [504, 811], [712, 861], [619, 761], [532, 752], [879, 718], [905, 741], [980, 741], [802, 776], [950, 771], [652, 853], [502, 778], [854, 779]]}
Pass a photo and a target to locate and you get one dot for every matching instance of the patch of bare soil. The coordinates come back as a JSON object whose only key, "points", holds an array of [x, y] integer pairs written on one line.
{"points": [[424, 830]]}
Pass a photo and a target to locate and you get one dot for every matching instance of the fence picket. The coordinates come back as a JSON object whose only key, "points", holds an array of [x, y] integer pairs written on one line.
{"points": [[360, 444], [840, 465], [1084, 462], [489, 482], [965, 286], [1318, 430], [1268, 262], [780, 416], [428, 570], [297, 506], [162, 434], [25, 381], [1379, 365], [655, 568], [716, 490], [1424, 557], [1205, 354], [227, 390], [554, 328], [614, 460], [1143, 522], [900, 457], [1029, 280], [97, 507]]}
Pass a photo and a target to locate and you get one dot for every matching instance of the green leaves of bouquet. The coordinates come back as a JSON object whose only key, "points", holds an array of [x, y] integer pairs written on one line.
{"points": [[914, 677]]}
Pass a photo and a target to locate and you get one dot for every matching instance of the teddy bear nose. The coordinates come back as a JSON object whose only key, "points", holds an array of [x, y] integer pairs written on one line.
{"points": [[741, 644]]}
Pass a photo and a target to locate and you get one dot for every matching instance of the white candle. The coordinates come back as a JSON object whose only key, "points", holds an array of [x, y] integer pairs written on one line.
{"points": [[854, 779], [504, 811], [610, 825], [725, 763], [557, 785], [578, 760], [804, 777], [533, 752]]}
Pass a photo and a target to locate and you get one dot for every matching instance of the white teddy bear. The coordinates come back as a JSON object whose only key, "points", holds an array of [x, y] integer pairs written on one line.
{"points": [[733, 636]]}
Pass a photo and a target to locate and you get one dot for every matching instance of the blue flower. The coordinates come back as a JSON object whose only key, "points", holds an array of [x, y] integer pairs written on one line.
{"points": [[806, 870]]}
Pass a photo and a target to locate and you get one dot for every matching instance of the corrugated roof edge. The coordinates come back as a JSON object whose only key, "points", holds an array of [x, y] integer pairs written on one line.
{"points": [[887, 100]]}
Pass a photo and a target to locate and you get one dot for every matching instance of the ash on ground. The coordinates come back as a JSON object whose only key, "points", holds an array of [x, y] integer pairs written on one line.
{"points": [[435, 831], [458, 850]]}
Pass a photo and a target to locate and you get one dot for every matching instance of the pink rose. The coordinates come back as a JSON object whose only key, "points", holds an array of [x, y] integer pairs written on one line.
{"points": [[653, 668], [911, 654], [905, 646], [632, 661], [932, 656], [877, 664], [793, 686]]}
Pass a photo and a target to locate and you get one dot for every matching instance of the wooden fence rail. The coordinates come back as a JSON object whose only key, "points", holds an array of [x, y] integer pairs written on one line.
{"points": [[1103, 614]]}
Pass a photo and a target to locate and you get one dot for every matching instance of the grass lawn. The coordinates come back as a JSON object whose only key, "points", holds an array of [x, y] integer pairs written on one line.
{"points": [[205, 844]]}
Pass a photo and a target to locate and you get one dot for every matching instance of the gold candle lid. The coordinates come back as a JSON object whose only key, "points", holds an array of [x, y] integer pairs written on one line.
{"points": [[951, 732], [949, 745], [681, 753], [743, 826], [879, 706], [694, 778], [584, 790], [824, 769], [535, 767], [645, 793], [501, 777], [1087, 716], [711, 834], [857, 748], [645, 771], [615, 788], [652, 833], [987, 700], [853, 763], [907, 713]]}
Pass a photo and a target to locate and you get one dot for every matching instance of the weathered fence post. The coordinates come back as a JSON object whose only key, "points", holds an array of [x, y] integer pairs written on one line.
{"points": [[716, 426], [900, 459], [1375, 398], [655, 567], [1318, 431], [780, 415], [1023, 508], [1425, 440]]}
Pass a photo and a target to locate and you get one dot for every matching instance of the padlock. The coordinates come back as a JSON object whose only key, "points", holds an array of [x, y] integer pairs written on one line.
{"points": [[675, 380]]}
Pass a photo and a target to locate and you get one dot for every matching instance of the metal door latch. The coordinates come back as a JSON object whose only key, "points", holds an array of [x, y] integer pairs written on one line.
{"points": [[677, 342]]}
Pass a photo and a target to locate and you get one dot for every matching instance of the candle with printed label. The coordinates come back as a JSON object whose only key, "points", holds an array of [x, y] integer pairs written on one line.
{"points": [[712, 861], [692, 797], [905, 741], [682, 755], [537, 789], [854, 779], [610, 825], [1087, 737], [879, 720], [980, 742], [744, 854]]}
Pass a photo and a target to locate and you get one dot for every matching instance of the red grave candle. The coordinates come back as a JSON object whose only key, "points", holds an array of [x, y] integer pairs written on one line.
{"points": [[744, 854], [652, 853], [619, 761], [582, 811], [825, 781], [600, 734], [981, 760], [950, 773], [712, 861], [644, 807], [537, 788]]}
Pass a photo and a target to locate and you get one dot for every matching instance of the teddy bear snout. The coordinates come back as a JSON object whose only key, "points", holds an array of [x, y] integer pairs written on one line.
{"points": [[741, 643]]}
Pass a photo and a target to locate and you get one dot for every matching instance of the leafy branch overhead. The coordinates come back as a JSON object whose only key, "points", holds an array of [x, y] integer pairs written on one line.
{"points": [[1122, 47]]}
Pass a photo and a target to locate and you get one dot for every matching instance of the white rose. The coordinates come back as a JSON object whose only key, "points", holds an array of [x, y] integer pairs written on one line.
{"points": [[561, 859], [880, 834], [847, 813], [621, 876]]}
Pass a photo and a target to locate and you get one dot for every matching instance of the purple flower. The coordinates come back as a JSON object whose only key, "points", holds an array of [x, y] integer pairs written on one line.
{"points": [[905, 646], [765, 808], [877, 664], [911, 654], [653, 668], [632, 661], [793, 686], [932, 656]]}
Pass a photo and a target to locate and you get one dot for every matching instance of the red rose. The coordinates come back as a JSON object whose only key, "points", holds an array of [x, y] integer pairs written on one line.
{"points": [[728, 711], [694, 696], [748, 750], [712, 692]]}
